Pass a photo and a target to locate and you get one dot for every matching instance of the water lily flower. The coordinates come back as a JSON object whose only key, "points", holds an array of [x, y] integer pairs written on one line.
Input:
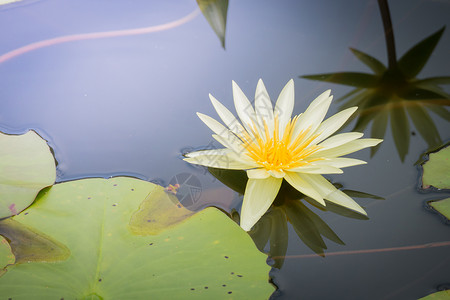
{"points": [[272, 146]]}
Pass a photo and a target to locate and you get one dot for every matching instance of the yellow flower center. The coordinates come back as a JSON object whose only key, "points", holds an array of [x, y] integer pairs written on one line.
{"points": [[279, 153]]}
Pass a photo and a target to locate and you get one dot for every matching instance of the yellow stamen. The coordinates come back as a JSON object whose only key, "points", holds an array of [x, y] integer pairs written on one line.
{"points": [[279, 152]]}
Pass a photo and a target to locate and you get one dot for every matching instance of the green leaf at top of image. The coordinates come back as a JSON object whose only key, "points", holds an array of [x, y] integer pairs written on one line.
{"points": [[205, 256], [215, 11], [436, 169], [441, 295], [26, 166], [442, 206]]}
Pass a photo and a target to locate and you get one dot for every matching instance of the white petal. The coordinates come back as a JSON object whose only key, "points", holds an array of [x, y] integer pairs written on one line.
{"points": [[313, 115], [227, 117], [285, 106], [320, 99], [263, 107], [332, 194], [257, 173], [297, 181], [208, 152], [333, 123], [340, 139], [232, 143], [317, 169], [244, 108], [347, 148], [214, 125], [276, 173], [340, 162], [224, 161], [258, 197]]}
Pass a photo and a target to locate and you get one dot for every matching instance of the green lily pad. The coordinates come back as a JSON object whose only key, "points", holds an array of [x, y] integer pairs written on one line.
{"points": [[205, 256], [29, 245], [6, 255], [442, 206], [26, 166], [442, 295], [436, 170]]}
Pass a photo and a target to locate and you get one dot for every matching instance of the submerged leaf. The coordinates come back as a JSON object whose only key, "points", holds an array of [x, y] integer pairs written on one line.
{"points": [[6, 255], [158, 212], [350, 94], [415, 93], [424, 125], [415, 59], [440, 111], [207, 256], [433, 80], [29, 245], [400, 130], [215, 11], [279, 236], [234, 179], [370, 61], [304, 226], [26, 166], [379, 126], [363, 80]]}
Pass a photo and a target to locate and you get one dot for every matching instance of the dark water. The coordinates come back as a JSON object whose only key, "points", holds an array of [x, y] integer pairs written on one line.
{"points": [[127, 104]]}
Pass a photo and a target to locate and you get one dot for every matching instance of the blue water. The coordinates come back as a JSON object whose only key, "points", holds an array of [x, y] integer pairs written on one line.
{"points": [[126, 105]]}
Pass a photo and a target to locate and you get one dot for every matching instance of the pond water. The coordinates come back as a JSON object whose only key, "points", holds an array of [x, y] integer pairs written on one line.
{"points": [[124, 102]]}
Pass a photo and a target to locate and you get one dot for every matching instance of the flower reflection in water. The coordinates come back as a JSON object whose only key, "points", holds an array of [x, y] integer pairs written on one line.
{"points": [[394, 92]]}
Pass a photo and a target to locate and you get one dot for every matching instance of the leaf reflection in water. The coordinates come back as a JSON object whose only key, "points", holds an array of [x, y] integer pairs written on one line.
{"points": [[288, 207], [394, 92]]}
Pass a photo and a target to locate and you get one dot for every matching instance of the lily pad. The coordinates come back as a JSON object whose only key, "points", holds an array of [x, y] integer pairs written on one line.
{"points": [[205, 256], [442, 295], [6, 255], [436, 170], [442, 206], [26, 166]]}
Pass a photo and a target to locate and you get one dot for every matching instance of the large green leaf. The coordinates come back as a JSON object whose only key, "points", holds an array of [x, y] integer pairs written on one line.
{"points": [[436, 170], [415, 59], [205, 256], [26, 166]]}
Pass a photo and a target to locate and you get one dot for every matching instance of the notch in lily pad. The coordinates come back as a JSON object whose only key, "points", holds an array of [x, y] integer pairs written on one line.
{"points": [[27, 165]]}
